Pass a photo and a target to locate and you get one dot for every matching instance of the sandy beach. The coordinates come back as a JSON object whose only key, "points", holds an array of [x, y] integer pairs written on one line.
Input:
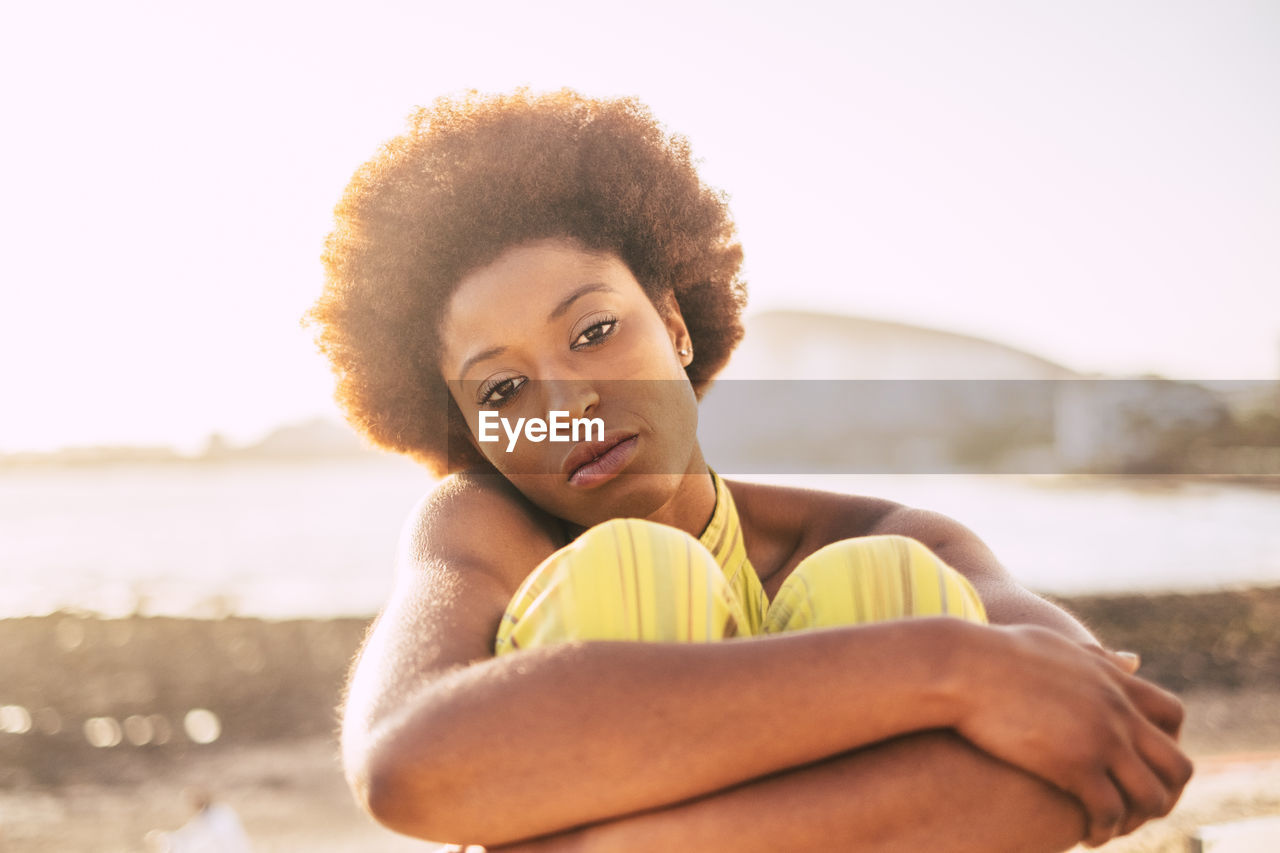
{"points": [[272, 688]]}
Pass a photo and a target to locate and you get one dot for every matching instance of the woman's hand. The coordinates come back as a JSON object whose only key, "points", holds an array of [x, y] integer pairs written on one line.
{"points": [[1076, 717]]}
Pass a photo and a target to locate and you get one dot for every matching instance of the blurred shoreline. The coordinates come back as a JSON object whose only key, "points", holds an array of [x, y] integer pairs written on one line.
{"points": [[139, 678]]}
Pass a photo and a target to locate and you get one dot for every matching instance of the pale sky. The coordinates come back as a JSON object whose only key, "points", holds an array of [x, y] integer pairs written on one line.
{"points": [[1097, 182]]}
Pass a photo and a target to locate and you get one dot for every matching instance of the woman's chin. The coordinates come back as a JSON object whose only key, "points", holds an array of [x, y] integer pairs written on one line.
{"points": [[625, 496]]}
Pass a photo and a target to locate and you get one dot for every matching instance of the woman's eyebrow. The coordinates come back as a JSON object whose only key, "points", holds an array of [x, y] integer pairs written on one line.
{"points": [[564, 304], [560, 308], [480, 356]]}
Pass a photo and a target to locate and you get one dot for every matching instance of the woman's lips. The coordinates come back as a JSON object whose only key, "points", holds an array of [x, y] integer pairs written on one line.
{"points": [[593, 463]]}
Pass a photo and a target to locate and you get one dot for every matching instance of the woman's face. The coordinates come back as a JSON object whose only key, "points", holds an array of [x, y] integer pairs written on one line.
{"points": [[549, 327]]}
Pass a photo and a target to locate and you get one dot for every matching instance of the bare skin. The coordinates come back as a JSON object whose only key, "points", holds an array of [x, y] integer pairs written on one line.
{"points": [[884, 734], [854, 802]]}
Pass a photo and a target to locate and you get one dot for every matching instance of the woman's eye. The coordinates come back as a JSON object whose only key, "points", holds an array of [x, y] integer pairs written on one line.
{"points": [[500, 391], [596, 333]]}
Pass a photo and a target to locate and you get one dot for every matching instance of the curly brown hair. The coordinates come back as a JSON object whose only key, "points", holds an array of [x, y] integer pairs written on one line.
{"points": [[475, 175]]}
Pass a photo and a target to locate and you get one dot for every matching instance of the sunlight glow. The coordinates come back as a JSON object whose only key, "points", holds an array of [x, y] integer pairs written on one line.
{"points": [[1064, 178]]}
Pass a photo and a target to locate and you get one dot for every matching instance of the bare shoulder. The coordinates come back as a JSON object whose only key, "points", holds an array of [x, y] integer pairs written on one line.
{"points": [[480, 523], [464, 551]]}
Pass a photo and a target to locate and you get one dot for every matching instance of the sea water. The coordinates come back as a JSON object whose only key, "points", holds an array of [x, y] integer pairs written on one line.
{"points": [[316, 539]]}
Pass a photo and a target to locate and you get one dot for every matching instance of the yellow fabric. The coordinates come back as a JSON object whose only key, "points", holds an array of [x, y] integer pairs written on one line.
{"points": [[723, 538], [631, 579], [871, 579]]}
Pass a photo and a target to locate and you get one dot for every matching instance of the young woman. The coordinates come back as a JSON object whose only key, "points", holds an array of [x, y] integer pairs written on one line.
{"points": [[599, 644]]}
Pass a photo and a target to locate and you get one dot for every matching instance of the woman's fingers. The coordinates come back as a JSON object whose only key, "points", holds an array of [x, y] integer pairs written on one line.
{"points": [[1166, 760], [1159, 706], [1149, 770], [1152, 779], [1104, 805], [1153, 771], [1127, 661], [1146, 794], [1142, 783], [1085, 723]]}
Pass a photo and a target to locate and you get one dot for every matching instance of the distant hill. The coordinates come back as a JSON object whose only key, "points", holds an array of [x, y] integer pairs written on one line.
{"points": [[778, 345], [315, 437], [318, 438], [92, 455], [835, 412]]}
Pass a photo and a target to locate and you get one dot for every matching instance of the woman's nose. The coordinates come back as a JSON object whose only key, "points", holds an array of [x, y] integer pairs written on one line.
{"points": [[578, 397]]}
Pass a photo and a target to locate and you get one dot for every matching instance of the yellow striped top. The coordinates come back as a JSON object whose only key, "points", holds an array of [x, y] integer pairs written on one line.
{"points": [[723, 538]]}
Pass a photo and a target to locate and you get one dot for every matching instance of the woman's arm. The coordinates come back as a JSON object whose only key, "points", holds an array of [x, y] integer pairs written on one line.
{"points": [[1007, 601], [930, 791], [443, 741], [809, 519]]}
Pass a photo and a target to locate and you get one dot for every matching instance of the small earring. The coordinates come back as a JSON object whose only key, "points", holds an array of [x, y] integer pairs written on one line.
{"points": [[684, 352]]}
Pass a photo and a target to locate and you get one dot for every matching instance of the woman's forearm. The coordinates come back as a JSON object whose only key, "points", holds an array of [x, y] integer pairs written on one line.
{"points": [[930, 791], [547, 739]]}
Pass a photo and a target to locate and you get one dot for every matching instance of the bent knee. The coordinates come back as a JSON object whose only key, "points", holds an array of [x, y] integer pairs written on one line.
{"points": [[624, 579], [873, 579]]}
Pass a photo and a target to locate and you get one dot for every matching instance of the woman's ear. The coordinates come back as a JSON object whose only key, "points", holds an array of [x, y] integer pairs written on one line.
{"points": [[669, 310]]}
